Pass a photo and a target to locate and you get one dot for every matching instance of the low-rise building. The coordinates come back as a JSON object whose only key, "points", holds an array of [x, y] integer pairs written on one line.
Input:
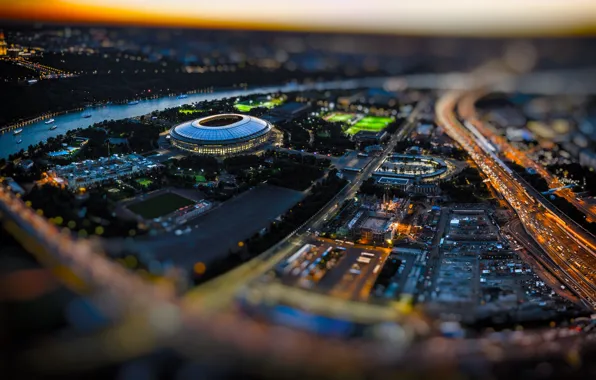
{"points": [[400, 183], [287, 112], [191, 211], [377, 229], [26, 164], [425, 188], [90, 172], [409, 248], [369, 136], [14, 186]]}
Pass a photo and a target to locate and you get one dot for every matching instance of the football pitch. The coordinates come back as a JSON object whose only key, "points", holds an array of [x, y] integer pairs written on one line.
{"points": [[370, 123], [246, 105], [189, 112], [338, 117], [160, 205], [144, 182]]}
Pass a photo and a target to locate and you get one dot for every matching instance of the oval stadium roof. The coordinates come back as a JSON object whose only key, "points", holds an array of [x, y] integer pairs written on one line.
{"points": [[247, 127]]}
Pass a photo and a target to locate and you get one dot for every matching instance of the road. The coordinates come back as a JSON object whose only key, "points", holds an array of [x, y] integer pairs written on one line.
{"points": [[434, 258], [569, 251], [539, 261], [467, 110]]}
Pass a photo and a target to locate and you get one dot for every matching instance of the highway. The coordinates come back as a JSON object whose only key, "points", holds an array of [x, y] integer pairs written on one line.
{"points": [[564, 245], [467, 110], [539, 261], [45, 72]]}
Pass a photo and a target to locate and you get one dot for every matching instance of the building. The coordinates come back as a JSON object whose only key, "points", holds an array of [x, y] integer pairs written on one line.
{"points": [[3, 46], [425, 188], [26, 165], [376, 229], [287, 112], [411, 166], [409, 249], [370, 136], [221, 135], [13, 52], [424, 129], [191, 211], [373, 149], [401, 183], [414, 150], [93, 172], [14, 186]]}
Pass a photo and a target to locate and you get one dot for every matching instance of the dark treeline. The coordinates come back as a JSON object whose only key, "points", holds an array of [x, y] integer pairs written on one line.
{"points": [[307, 159], [535, 180], [24, 102], [131, 136], [209, 164], [281, 171], [327, 137], [571, 211], [370, 187], [389, 270], [330, 138], [585, 176], [466, 187], [79, 214]]}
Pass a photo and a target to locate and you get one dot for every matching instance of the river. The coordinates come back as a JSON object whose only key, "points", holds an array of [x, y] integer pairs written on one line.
{"points": [[37, 132]]}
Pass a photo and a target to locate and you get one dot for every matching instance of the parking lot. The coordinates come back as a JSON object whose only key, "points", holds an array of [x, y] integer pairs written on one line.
{"points": [[336, 268]]}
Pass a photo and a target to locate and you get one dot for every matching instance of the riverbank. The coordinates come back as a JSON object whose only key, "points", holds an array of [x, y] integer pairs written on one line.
{"points": [[24, 123], [37, 131]]}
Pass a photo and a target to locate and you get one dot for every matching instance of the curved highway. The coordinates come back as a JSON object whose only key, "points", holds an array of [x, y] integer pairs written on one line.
{"points": [[564, 245]]}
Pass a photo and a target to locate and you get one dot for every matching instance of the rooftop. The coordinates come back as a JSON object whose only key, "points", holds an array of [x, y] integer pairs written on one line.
{"points": [[226, 127], [376, 223], [394, 181]]}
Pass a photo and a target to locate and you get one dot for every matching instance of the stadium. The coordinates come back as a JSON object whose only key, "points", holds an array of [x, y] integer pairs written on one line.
{"points": [[220, 135]]}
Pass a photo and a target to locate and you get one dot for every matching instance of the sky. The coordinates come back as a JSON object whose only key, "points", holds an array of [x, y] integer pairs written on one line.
{"points": [[424, 17]]}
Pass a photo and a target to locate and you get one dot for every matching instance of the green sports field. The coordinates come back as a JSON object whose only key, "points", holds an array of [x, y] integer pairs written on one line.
{"points": [[160, 205], [339, 117], [246, 105], [197, 177], [370, 123], [144, 182], [189, 112]]}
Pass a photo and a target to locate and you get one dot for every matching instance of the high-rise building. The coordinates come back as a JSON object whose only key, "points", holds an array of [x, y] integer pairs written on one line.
{"points": [[3, 46]]}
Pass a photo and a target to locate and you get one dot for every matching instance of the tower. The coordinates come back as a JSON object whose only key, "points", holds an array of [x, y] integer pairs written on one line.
{"points": [[3, 46]]}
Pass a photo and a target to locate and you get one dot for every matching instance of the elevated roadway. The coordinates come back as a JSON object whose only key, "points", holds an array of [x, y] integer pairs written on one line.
{"points": [[567, 248], [466, 109]]}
